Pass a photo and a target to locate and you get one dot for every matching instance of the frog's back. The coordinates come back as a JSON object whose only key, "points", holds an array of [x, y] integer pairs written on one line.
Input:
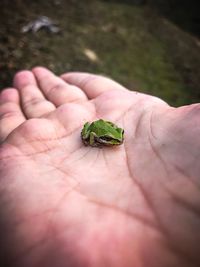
{"points": [[102, 128], [99, 128]]}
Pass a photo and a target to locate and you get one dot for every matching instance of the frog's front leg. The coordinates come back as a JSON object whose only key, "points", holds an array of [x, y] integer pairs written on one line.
{"points": [[85, 131], [92, 140]]}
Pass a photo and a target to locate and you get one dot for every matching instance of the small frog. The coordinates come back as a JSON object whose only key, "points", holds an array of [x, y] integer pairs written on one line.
{"points": [[102, 133]]}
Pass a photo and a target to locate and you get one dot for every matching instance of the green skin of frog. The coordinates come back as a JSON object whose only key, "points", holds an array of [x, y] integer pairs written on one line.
{"points": [[102, 133]]}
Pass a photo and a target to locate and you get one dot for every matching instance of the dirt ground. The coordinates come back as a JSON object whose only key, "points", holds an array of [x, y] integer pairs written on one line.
{"points": [[141, 45]]}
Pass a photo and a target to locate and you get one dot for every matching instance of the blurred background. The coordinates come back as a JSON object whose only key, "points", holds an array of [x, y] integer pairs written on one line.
{"points": [[152, 46]]}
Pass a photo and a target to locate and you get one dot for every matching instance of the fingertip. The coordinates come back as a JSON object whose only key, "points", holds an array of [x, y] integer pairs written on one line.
{"points": [[23, 78], [75, 73], [21, 73], [37, 68], [66, 76], [62, 76], [78, 78], [41, 71], [9, 95], [92, 84]]}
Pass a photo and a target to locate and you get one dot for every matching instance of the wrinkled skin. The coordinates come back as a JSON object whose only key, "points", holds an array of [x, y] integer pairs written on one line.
{"points": [[63, 204]]}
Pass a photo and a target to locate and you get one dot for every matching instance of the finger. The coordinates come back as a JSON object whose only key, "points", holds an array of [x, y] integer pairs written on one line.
{"points": [[93, 85], [11, 115], [55, 89], [33, 102]]}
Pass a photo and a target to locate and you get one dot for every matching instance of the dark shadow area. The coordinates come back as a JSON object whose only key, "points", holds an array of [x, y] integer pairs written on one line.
{"points": [[131, 2], [184, 13]]}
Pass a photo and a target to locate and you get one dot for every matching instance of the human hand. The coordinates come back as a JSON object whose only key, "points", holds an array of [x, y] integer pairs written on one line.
{"points": [[64, 204]]}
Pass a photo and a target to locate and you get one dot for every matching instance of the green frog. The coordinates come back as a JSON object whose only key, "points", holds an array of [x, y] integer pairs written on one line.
{"points": [[102, 133]]}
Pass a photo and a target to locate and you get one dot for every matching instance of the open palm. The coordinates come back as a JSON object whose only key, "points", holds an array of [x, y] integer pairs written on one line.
{"points": [[64, 204]]}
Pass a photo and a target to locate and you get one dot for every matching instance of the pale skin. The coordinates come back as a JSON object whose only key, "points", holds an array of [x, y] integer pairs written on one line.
{"points": [[63, 204]]}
